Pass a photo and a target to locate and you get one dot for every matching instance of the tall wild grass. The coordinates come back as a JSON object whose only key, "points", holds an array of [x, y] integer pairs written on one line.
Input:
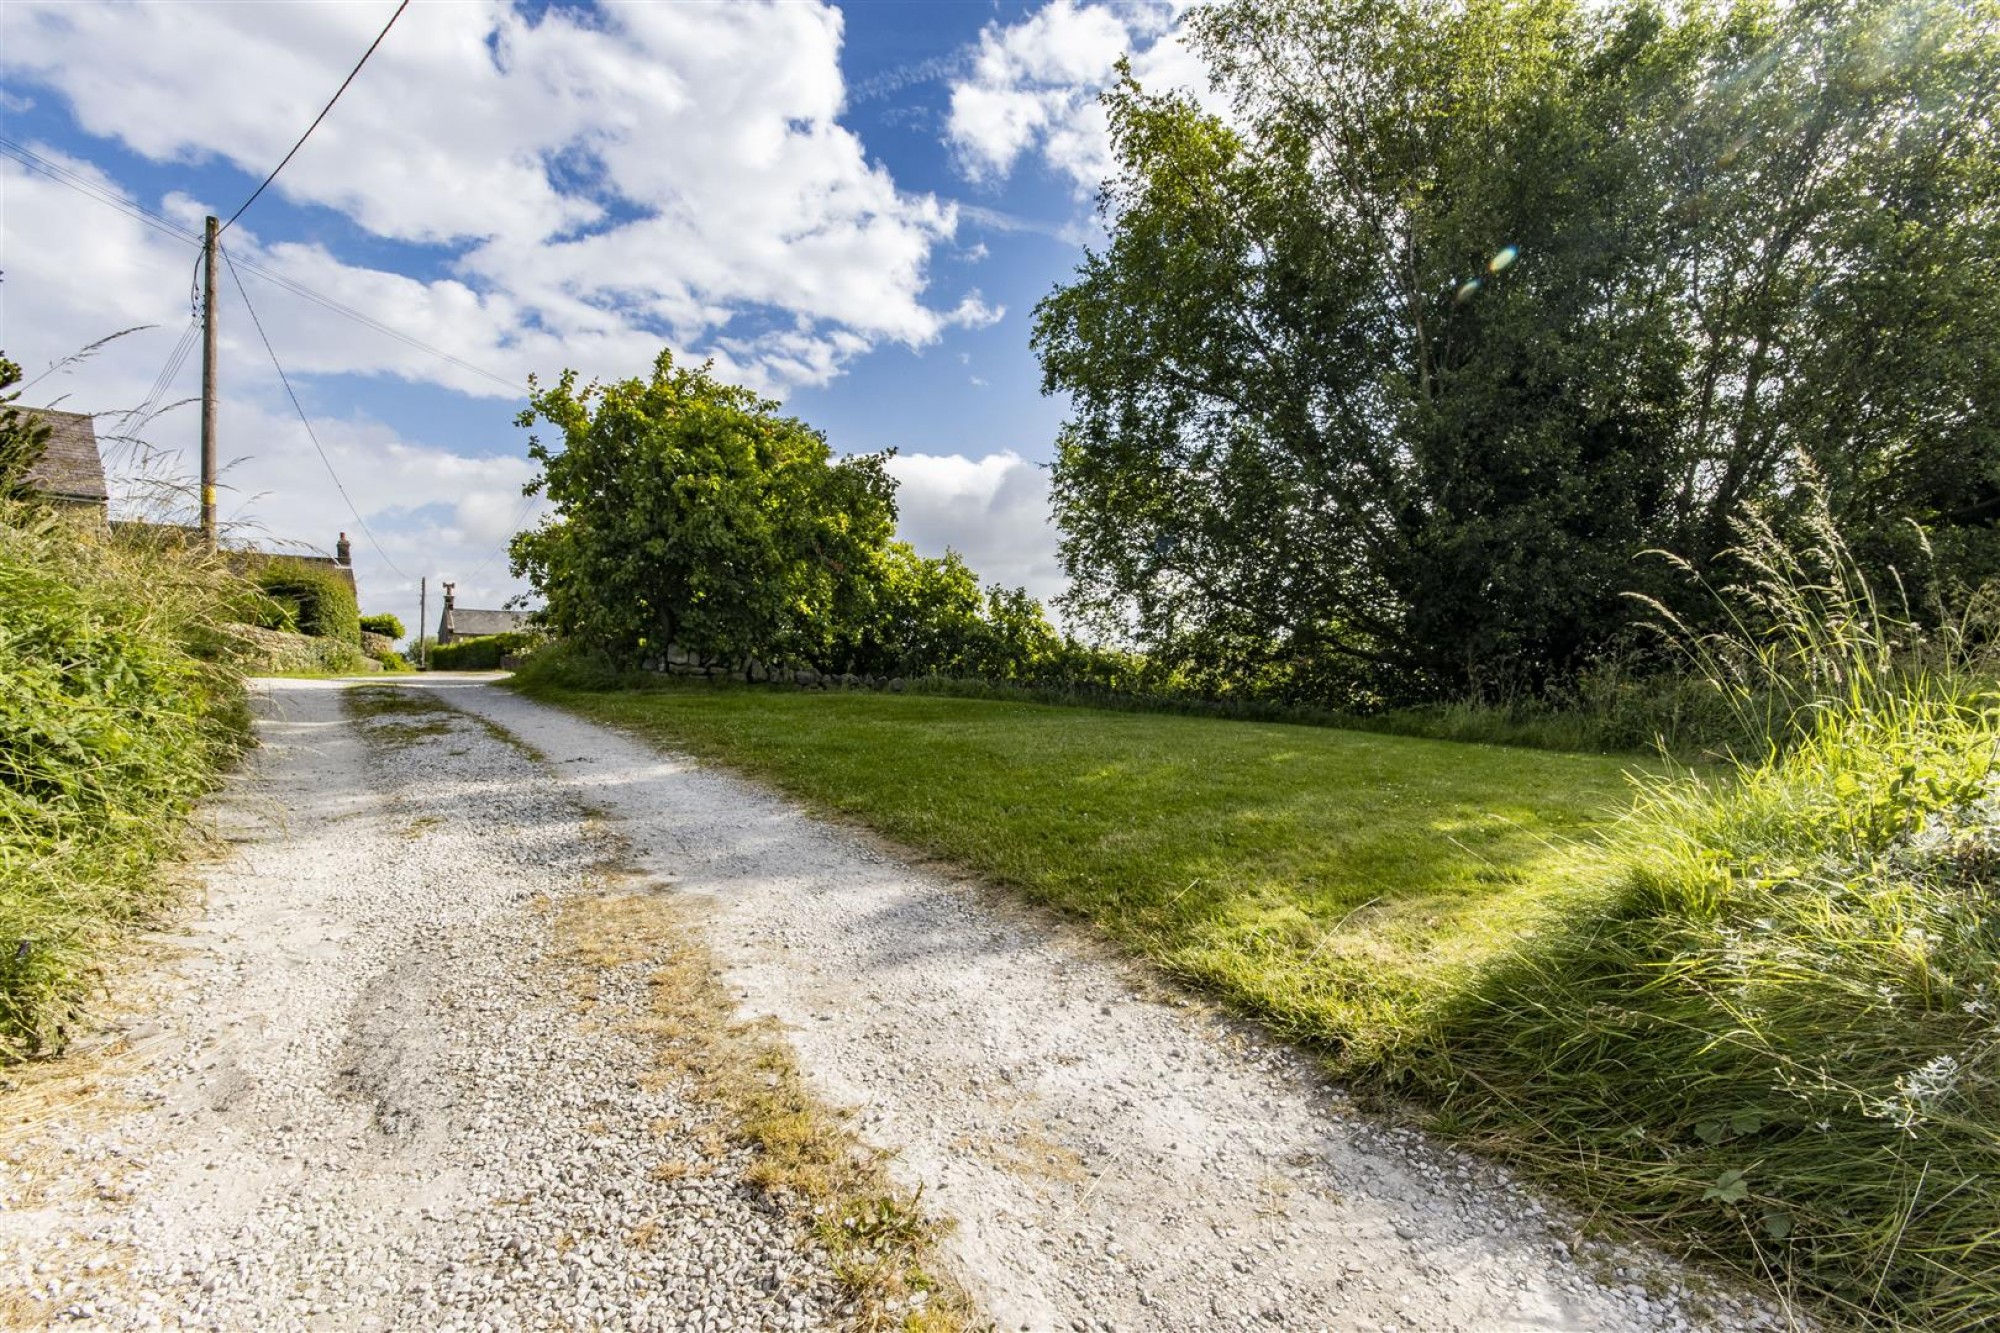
{"points": [[118, 707], [1778, 1039]]}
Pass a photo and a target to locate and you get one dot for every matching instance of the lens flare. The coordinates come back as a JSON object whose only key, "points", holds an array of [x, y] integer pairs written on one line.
{"points": [[1508, 254], [1470, 289]]}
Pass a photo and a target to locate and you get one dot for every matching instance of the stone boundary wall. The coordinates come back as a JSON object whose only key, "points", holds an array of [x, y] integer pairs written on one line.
{"points": [[678, 662]]}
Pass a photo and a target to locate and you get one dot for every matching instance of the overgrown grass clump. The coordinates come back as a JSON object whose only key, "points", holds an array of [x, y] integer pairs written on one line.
{"points": [[1778, 1038], [117, 710]]}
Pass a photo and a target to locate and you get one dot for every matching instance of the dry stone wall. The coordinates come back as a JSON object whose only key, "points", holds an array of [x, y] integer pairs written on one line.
{"points": [[677, 661]]}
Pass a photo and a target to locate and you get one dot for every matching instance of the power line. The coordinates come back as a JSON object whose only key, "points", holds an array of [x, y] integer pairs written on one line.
{"points": [[514, 529], [326, 302], [34, 161], [305, 421], [29, 158], [317, 119], [164, 381]]}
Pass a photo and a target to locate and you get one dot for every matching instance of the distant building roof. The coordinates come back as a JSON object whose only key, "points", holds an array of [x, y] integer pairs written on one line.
{"points": [[462, 622], [70, 468]]}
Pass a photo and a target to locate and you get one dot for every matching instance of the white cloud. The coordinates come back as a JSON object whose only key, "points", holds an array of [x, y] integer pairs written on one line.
{"points": [[1033, 86], [994, 511], [436, 507], [601, 181], [440, 509]]}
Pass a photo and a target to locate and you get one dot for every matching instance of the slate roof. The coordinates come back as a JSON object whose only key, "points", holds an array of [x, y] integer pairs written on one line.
{"points": [[70, 469], [460, 622]]}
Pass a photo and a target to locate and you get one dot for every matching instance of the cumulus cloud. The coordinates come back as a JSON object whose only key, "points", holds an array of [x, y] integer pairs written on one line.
{"points": [[634, 174], [436, 507], [1033, 86], [994, 511]]}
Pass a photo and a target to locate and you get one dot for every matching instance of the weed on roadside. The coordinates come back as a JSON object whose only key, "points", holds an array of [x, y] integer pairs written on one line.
{"points": [[119, 709], [879, 1239]]}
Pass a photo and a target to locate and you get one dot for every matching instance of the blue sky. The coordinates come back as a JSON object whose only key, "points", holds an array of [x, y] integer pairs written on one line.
{"points": [[852, 207]]}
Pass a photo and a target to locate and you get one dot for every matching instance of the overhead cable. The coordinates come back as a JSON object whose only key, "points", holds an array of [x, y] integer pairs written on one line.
{"points": [[83, 184], [305, 421], [317, 119], [29, 158]]}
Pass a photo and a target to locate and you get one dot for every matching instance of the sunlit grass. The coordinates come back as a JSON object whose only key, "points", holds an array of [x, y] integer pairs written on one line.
{"points": [[116, 713], [1335, 883]]}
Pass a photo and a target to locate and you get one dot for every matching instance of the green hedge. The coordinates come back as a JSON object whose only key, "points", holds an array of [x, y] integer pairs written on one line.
{"points": [[386, 624], [481, 654], [320, 602]]}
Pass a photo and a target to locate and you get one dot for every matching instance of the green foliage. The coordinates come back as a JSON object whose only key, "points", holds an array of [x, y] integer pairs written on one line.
{"points": [[23, 438], [915, 616], [386, 624], [688, 512], [311, 598], [1379, 394], [116, 712], [1779, 1034], [480, 654]]}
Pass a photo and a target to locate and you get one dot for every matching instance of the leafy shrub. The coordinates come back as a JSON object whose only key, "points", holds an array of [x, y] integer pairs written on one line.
{"points": [[386, 624], [480, 654], [118, 706], [320, 601], [1777, 1036]]}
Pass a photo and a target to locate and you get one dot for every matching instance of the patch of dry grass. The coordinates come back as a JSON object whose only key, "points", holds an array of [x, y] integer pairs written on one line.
{"points": [[878, 1237]]}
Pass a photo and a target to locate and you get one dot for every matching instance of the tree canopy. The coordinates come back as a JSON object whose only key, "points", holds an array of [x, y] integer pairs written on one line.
{"points": [[688, 512], [691, 513], [24, 437], [1383, 380]]}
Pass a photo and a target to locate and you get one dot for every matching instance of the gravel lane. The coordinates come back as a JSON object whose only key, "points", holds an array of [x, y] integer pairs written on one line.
{"points": [[1113, 1157], [371, 1095]]}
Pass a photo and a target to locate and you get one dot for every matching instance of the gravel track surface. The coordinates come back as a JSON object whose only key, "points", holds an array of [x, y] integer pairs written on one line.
{"points": [[369, 1094], [1114, 1157]]}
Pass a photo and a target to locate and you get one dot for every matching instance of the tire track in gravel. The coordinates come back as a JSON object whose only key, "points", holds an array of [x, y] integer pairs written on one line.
{"points": [[1113, 1156], [367, 1096]]}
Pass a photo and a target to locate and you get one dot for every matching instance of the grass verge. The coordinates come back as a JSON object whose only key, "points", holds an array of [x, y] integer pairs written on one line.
{"points": [[1338, 884], [118, 710], [1778, 1041], [1756, 1018]]}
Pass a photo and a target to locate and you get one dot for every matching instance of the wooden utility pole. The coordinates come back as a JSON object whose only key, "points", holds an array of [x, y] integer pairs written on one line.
{"points": [[208, 389], [423, 616]]}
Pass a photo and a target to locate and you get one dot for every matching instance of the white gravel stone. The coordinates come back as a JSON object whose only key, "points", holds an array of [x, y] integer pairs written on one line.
{"points": [[369, 1100], [1049, 1099]]}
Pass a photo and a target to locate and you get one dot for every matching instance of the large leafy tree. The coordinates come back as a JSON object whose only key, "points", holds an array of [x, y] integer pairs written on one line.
{"points": [[1381, 383], [24, 437], [689, 512]]}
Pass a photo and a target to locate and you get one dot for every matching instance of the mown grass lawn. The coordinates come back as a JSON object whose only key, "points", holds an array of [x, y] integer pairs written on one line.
{"points": [[1336, 883]]}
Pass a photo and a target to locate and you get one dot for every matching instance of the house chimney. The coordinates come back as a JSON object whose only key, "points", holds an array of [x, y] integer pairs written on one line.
{"points": [[343, 554], [447, 630]]}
